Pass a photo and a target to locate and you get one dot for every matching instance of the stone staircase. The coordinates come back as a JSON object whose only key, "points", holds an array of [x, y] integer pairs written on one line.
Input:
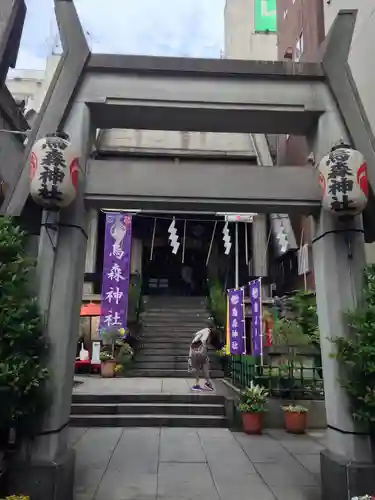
{"points": [[148, 410], [168, 326]]}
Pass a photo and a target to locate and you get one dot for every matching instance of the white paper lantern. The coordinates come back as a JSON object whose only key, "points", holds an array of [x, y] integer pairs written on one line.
{"points": [[54, 171], [344, 182]]}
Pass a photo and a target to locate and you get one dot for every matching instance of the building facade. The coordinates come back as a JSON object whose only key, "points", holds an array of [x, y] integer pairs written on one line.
{"points": [[300, 31], [250, 29], [251, 34]]}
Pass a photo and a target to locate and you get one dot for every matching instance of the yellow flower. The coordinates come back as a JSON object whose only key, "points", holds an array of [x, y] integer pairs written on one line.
{"points": [[17, 497]]}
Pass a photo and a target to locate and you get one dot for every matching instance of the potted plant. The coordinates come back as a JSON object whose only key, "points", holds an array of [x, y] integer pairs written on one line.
{"points": [[108, 364], [295, 418], [123, 359], [252, 406]]}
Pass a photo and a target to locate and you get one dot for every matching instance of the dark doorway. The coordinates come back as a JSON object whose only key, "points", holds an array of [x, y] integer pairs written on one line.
{"points": [[166, 274], [180, 274]]}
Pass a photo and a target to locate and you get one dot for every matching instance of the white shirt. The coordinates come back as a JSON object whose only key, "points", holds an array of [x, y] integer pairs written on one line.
{"points": [[202, 335]]}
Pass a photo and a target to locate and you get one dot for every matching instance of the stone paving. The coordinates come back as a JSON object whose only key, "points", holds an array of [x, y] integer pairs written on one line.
{"points": [[189, 464], [140, 385], [192, 464]]}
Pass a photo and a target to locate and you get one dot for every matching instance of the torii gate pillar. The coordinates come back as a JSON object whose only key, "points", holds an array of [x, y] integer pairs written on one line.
{"points": [[347, 467]]}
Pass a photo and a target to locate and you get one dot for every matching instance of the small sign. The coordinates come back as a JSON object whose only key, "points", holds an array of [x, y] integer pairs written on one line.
{"points": [[95, 353], [240, 217]]}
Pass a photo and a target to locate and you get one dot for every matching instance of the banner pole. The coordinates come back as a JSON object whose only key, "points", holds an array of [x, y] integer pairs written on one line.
{"points": [[261, 321], [183, 243], [246, 247], [153, 240], [236, 262], [244, 321], [211, 243], [227, 347]]}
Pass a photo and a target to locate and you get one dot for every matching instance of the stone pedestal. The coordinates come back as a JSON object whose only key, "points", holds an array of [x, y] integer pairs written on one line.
{"points": [[42, 480]]}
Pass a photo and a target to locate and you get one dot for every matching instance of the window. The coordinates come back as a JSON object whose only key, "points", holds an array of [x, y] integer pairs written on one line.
{"points": [[299, 48]]}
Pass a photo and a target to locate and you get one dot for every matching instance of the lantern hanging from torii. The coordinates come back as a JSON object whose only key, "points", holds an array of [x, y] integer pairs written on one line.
{"points": [[343, 180], [54, 171]]}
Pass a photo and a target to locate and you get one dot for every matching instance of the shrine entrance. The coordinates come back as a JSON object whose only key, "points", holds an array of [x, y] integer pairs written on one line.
{"points": [[97, 91]]}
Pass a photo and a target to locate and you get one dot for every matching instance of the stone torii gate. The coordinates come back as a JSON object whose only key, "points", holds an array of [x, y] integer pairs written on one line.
{"points": [[91, 91]]}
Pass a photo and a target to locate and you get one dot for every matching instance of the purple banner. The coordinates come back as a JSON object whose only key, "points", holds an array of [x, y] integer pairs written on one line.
{"points": [[236, 321], [116, 271], [256, 316]]}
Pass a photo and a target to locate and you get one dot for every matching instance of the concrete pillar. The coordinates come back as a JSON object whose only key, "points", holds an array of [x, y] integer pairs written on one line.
{"points": [[259, 246], [338, 279], [136, 256], [50, 474], [92, 244]]}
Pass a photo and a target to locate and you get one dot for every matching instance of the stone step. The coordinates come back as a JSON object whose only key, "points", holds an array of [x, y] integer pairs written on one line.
{"points": [[184, 308], [178, 347], [189, 313], [151, 333], [156, 352], [165, 365], [175, 346], [189, 398], [192, 312], [162, 357], [177, 319], [147, 409], [178, 325], [147, 421], [182, 339], [180, 342], [161, 373], [177, 299], [168, 365], [169, 329]]}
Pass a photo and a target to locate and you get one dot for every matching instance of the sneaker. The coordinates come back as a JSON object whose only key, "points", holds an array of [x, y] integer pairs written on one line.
{"points": [[196, 388], [208, 386]]}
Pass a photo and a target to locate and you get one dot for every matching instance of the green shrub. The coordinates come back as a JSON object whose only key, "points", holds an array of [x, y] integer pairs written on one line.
{"points": [[357, 354], [218, 303], [303, 307], [23, 348]]}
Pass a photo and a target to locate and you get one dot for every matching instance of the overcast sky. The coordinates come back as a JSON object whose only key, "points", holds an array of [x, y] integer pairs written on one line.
{"points": [[192, 28]]}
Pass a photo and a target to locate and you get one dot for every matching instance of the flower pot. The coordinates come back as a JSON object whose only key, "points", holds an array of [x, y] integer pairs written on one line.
{"points": [[295, 422], [252, 423], [108, 368]]}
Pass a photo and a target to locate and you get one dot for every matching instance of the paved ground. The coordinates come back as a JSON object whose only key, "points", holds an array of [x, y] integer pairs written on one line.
{"points": [[189, 464], [192, 464], [138, 385]]}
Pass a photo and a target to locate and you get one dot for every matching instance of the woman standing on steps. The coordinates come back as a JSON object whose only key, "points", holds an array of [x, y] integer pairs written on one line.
{"points": [[198, 361]]}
